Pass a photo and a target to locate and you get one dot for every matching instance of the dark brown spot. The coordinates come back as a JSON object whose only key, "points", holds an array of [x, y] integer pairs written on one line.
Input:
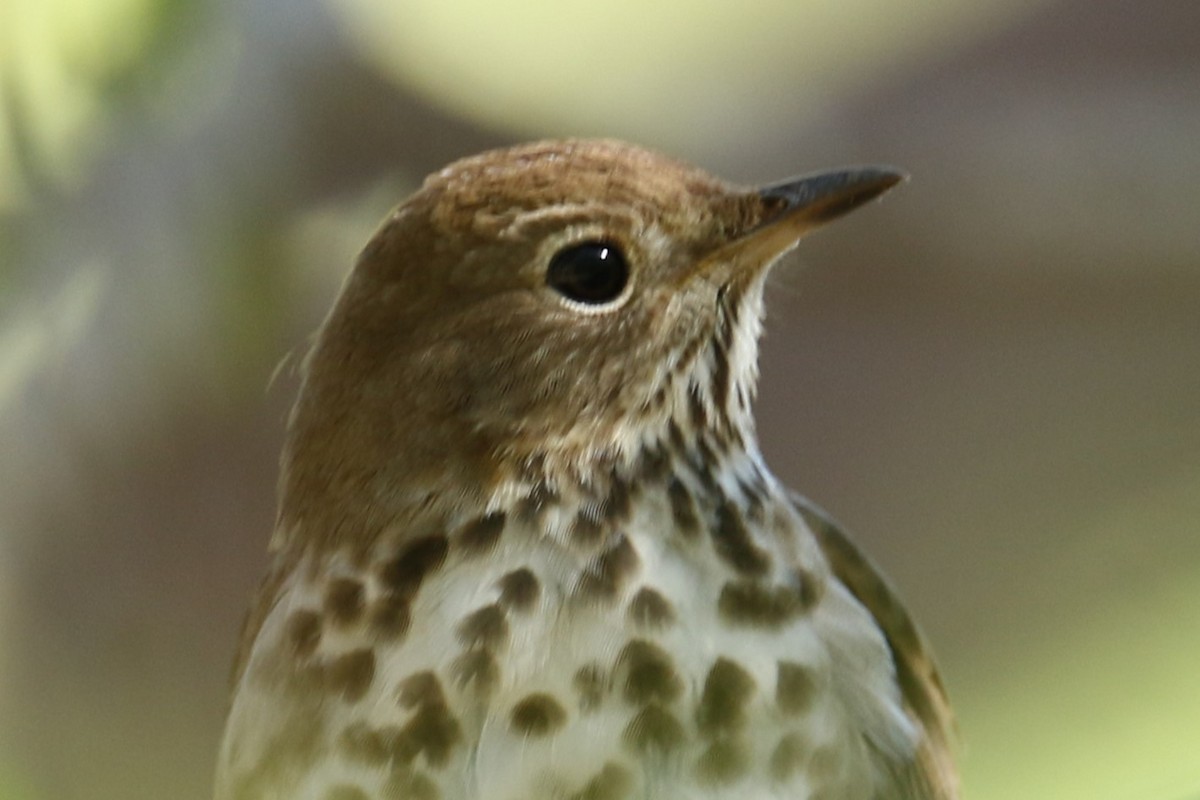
{"points": [[420, 557], [655, 464], [683, 509], [477, 669], [345, 791], [789, 756], [660, 397], [303, 632], [721, 371], [722, 763], [519, 589], [591, 684], [389, 616], [735, 545], [432, 729], [650, 609], [755, 502], [537, 715], [649, 674], [676, 439], [344, 600], [710, 446], [687, 356], [794, 688], [406, 783], [653, 729], [727, 691], [350, 674], [359, 742], [619, 504], [486, 627], [480, 535], [420, 688], [610, 571], [612, 782], [702, 469], [586, 528], [612, 395], [540, 498], [812, 590], [758, 605]]}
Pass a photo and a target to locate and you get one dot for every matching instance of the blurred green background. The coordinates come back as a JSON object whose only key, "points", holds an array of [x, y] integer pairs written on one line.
{"points": [[993, 377]]}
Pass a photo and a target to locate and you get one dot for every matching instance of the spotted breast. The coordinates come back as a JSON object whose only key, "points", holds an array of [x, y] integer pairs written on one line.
{"points": [[673, 635]]}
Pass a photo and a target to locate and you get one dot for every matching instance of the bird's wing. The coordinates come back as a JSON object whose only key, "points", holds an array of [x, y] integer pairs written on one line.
{"points": [[935, 775]]}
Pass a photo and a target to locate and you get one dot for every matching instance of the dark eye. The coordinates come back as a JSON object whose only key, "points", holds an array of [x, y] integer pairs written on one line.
{"points": [[590, 272]]}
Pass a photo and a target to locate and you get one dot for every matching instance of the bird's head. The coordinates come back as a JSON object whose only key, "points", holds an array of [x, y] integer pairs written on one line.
{"points": [[545, 309]]}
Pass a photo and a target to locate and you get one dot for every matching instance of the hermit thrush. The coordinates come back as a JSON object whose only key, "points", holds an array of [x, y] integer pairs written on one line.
{"points": [[527, 546]]}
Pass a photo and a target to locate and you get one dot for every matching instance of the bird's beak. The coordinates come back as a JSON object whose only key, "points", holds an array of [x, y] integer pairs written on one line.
{"points": [[801, 204], [792, 208]]}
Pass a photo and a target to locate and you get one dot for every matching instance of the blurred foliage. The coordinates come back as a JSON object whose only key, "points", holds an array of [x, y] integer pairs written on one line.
{"points": [[631, 69], [1142, 639], [64, 65]]}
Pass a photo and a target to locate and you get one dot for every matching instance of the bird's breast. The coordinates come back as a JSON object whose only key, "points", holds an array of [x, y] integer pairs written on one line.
{"points": [[667, 637]]}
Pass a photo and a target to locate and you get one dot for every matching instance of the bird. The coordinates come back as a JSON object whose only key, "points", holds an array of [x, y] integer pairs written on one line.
{"points": [[527, 546]]}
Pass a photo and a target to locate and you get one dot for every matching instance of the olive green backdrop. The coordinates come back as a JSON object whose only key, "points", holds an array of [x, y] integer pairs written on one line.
{"points": [[992, 377]]}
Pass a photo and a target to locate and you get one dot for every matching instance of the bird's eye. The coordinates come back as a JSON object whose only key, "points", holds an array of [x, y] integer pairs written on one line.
{"points": [[593, 273]]}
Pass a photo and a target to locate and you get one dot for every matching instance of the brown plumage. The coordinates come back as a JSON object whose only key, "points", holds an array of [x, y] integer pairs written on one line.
{"points": [[527, 545]]}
